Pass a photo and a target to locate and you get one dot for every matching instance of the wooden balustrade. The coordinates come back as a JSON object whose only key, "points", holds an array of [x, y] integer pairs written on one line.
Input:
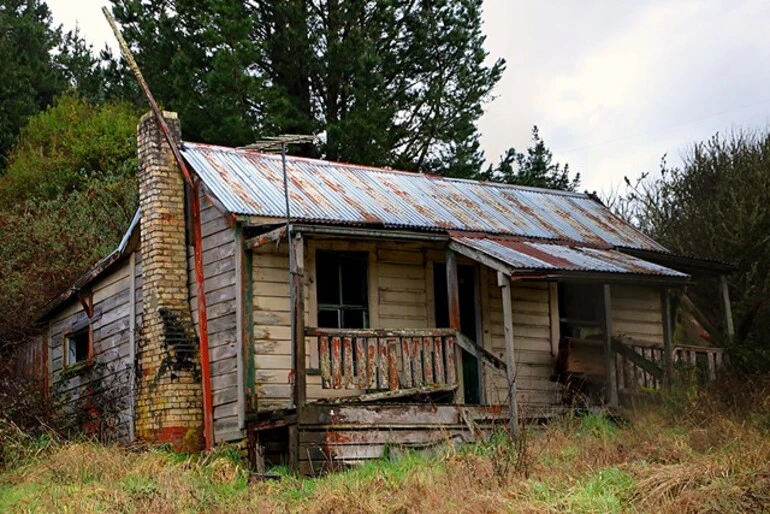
{"points": [[370, 359], [689, 354], [649, 375], [638, 364]]}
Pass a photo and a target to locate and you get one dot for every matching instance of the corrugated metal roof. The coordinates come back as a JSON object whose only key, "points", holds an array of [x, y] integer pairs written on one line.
{"points": [[251, 183], [537, 256]]}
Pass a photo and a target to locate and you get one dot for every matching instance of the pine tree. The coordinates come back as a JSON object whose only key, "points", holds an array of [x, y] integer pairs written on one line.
{"points": [[396, 83], [29, 76], [535, 168]]}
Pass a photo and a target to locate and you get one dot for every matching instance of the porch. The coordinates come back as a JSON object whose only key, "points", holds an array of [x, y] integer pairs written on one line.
{"points": [[357, 392]]}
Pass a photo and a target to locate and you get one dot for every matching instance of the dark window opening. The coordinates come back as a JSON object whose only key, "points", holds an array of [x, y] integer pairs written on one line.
{"points": [[341, 284], [581, 310], [78, 346]]}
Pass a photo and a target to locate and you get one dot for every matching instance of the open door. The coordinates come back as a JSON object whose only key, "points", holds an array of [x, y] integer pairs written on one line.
{"points": [[469, 321]]}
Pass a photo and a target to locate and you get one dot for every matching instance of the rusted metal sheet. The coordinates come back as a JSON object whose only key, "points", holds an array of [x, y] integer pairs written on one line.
{"points": [[250, 183], [518, 254]]}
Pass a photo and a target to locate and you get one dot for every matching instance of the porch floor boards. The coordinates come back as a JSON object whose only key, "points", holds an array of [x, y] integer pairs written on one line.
{"points": [[336, 436]]}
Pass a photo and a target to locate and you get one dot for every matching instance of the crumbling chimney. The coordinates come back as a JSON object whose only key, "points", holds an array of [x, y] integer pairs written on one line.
{"points": [[168, 406]]}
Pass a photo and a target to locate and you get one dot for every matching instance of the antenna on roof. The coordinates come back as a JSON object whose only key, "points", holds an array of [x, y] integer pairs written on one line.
{"points": [[272, 144], [275, 143]]}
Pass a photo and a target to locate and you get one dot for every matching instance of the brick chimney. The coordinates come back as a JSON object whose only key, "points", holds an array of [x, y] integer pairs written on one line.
{"points": [[169, 405]]}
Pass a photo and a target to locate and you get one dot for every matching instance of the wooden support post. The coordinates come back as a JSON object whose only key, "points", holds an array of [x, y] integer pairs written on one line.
{"points": [[611, 387], [510, 361], [297, 270], [726, 307], [297, 297], [132, 347], [453, 295], [453, 290], [668, 336]]}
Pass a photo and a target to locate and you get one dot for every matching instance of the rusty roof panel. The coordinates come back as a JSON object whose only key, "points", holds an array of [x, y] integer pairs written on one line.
{"points": [[531, 255], [251, 183]]}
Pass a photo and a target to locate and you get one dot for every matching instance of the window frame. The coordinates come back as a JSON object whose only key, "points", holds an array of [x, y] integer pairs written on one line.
{"points": [[341, 307], [85, 327]]}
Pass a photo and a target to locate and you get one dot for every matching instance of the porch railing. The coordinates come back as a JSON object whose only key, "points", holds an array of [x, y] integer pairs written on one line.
{"points": [[640, 364], [372, 359]]}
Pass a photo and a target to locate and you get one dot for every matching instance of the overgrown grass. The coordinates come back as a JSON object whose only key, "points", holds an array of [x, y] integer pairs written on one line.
{"points": [[711, 454]]}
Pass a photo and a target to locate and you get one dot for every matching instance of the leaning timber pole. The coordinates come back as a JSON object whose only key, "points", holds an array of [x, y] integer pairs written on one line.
{"points": [[193, 182]]}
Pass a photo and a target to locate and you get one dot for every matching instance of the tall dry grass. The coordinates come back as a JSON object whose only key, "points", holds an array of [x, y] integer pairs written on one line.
{"points": [[702, 451]]}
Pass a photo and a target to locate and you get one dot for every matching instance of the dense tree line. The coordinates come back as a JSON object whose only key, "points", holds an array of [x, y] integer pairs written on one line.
{"points": [[716, 205], [398, 83]]}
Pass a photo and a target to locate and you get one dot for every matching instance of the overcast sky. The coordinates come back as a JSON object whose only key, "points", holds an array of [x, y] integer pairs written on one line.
{"points": [[613, 85]]}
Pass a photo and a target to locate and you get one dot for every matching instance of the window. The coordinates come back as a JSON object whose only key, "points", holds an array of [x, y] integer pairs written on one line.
{"points": [[342, 289], [77, 346]]}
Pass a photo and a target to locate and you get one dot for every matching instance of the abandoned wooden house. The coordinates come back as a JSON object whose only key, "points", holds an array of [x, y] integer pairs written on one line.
{"points": [[385, 308]]}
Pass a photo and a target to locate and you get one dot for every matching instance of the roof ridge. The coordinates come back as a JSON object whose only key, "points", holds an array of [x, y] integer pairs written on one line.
{"points": [[376, 169]]}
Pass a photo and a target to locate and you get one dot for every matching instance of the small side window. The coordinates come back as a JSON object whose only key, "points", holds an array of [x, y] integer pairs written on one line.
{"points": [[77, 346]]}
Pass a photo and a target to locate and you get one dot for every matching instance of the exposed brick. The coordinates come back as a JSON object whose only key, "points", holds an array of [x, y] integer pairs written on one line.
{"points": [[169, 405]]}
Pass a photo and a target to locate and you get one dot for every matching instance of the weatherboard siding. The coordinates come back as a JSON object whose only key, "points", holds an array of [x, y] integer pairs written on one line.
{"points": [[637, 313], [219, 269], [400, 297], [536, 393], [111, 348]]}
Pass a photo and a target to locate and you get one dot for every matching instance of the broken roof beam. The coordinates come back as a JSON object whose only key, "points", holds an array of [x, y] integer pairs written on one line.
{"points": [[266, 238]]}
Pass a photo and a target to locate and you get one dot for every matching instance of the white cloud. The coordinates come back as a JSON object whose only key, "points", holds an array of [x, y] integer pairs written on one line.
{"points": [[612, 84], [673, 73]]}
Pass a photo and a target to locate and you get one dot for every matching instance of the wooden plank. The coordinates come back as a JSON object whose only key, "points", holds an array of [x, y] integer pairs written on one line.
{"points": [[417, 375], [668, 336], [453, 290], [371, 362], [427, 362], [619, 366], [451, 372], [438, 360], [611, 389], [347, 351], [728, 311], [361, 367], [297, 266], [505, 289], [406, 353], [553, 310], [379, 333], [131, 348], [326, 361], [382, 364], [392, 364], [336, 363], [478, 351], [639, 360]]}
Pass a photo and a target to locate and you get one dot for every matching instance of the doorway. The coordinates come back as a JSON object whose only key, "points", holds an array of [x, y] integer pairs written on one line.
{"points": [[469, 320]]}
